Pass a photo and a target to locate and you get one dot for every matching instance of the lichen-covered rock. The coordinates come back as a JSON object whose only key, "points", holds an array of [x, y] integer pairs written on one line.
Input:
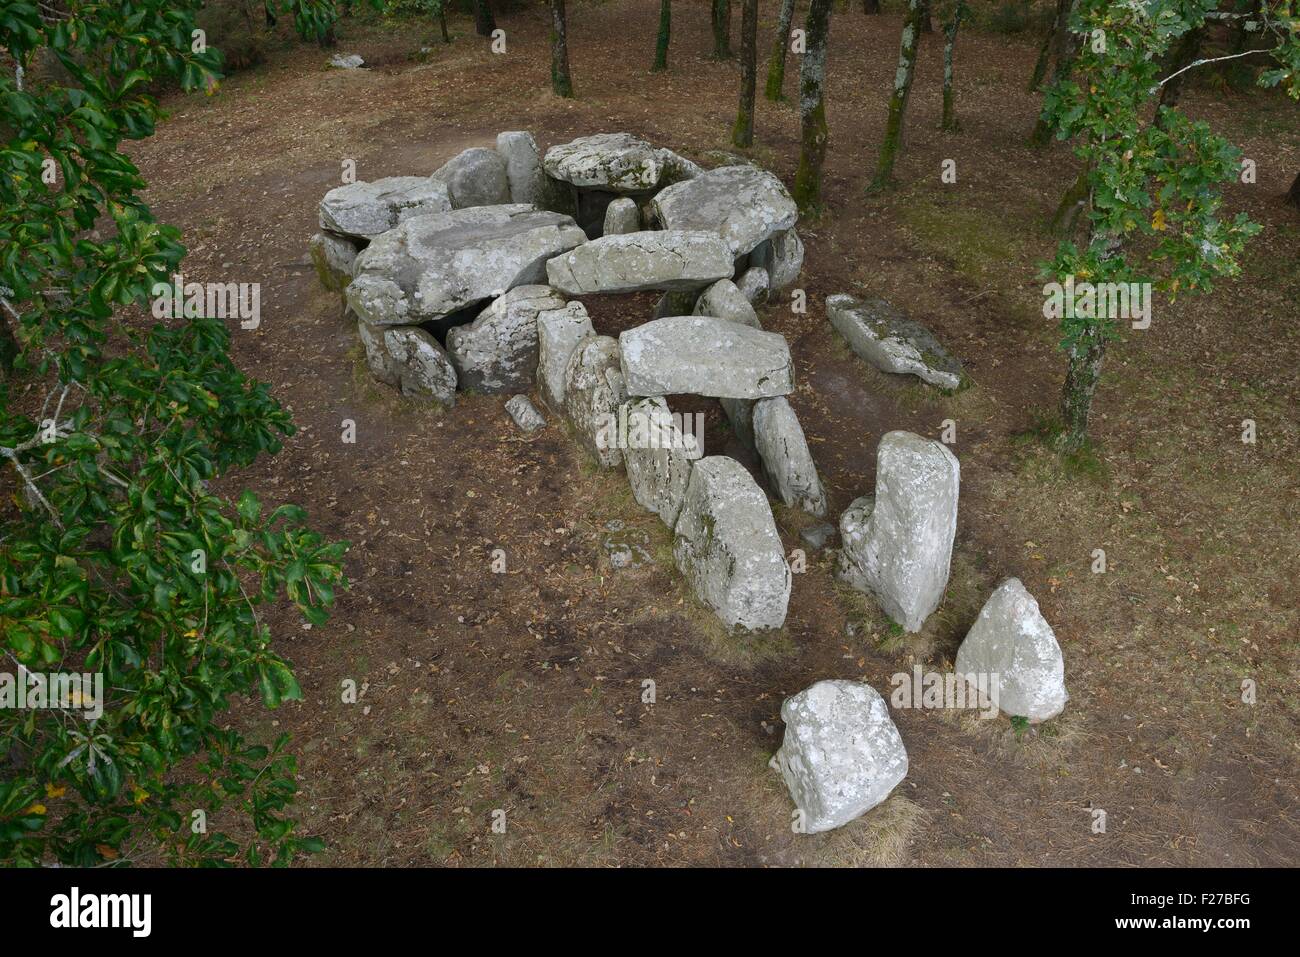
{"points": [[347, 61], [754, 284], [744, 205], [726, 544], [559, 331], [617, 162], [705, 356], [497, 352], [621, 216], [649, 259], [841, 754], [437, 264], [787, 462], [593, 391], [782, 257], [523, 162], [524, 413], [409, 359], [898, 544], [333, 257], [676, 168], [723, 300], [891, 342], [364, 210], [1012, 639], [475, 177], [658, 456]]}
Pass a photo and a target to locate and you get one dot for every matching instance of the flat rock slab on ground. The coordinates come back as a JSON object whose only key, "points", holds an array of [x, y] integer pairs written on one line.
{"points": [[524, 413], [882, 335], [434, 265], [647, 259], [744, 205], [705, 356], [364, 210], [616, 162], [497, 352]]}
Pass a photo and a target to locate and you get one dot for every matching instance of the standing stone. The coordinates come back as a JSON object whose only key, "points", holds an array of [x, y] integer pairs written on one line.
{"points": [[882, 335], [621, 216], [705, 356], [841, 754], [651, 259], [744, 205], [409, 359], [615, 162], [658, 456], [497, 352], [524, 413], [727, 546], [786, 460], [754, 284], [559, 331], [740, 413], [523, 167], [1012, 639], [593, 391], [898, 543], [364, 210], [475, 177], [333, 257], [782, 257], [723, 300]]}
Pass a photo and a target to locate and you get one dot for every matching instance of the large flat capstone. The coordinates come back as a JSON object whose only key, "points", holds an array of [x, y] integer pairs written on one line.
{"points": [[647, 259], [743, 204], [364, 210], [705, 356], [615, 162]]}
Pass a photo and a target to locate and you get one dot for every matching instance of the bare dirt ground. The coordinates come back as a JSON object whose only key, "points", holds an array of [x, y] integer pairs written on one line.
{"points": [[522, 691]]}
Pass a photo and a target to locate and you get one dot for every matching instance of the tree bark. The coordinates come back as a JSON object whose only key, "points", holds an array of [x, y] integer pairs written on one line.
{"points": [[1059, 26], [665, 34], [561, 82], [911, 39], [1082, 374], [812, 108], [721, 13], [484, 22], [1189, 45], [1066, 50], [742, 134], [442, 21], [780, 47], [950, 124]]}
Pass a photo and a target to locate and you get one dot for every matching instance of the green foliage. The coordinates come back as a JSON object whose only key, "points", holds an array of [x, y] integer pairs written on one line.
{"points": [[118, 557]]}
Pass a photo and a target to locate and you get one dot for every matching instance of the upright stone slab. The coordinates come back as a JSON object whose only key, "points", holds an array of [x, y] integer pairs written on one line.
{"points": [[705, 356], [622, 216], [523, 162], [723, 300], [498, 351], [364, 210], [754, 284], [333, 257], [727, 546], [898, 544], [841, 755], [1012, 639], [558, 333], [891, 342], [787, 462], [782, 258], [740, 413], [475, 177], [650, 259], [744, 205], [614, 162], [434, 265], [411, 360], [593, 391], [658, 456]]}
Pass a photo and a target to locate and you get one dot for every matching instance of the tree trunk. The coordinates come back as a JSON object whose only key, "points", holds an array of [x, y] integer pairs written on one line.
{"points": [[442, 21], [950, 124], [721, 13], [812, 108], [1067, 48], [1293, 195], [870, 6], [484, 22], [911, 39], [1050, 42], [927, 24], [1083, 372], [742, 134], [781, 46], [665, 33], [1189, 46], [561, 82]]}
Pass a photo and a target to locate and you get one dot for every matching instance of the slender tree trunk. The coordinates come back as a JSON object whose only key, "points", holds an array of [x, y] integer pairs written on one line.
{"points": [[665, 34], [484, 22], [442, 21], [742, 134], [812, 108], [911, 39], [1189, 46], [870, 6], [721, 13], [950, 124], [1293, 195], [561, 82], [1059, 26], [927, 24], [780, 47], [1083, 372], [1066, 50]]}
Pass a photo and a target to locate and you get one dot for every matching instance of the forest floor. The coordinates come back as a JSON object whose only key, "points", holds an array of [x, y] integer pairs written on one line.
{"points": [[523, 691]]}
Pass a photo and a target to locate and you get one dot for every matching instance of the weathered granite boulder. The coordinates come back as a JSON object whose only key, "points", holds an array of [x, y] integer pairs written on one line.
{"points": [[658, 456], [616, 162], [409, 359], [347, 61], [1012, 639], [743, 204], [523, 162], [651, 259], [782, 257], [891, 342], [898, 544], [676, 168], [754, 284], [705, 356], [497, 352], [621, 216], [364, 210], [841, 754], [786, 460], [433, 265], [524, 413], [726, 544], [475, 177], [593, 391], [559, 331], [333, 257], [723, 300]]}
